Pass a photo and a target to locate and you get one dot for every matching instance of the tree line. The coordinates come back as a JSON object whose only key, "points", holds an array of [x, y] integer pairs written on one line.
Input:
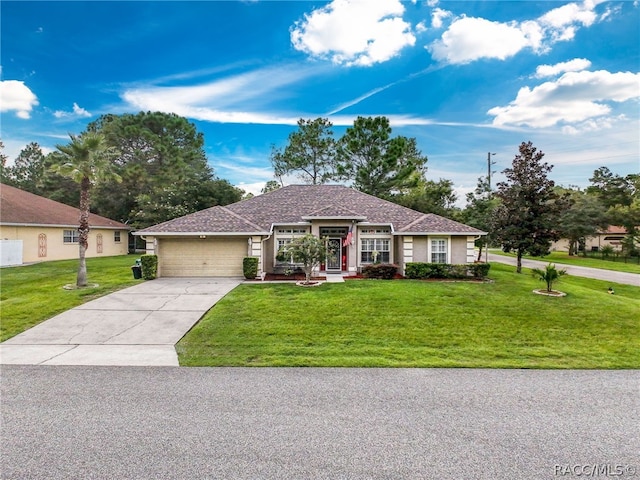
{"points": [[160, 170]]}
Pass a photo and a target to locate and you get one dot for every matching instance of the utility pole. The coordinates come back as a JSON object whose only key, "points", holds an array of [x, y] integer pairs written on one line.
{"points": [[489, 163]]}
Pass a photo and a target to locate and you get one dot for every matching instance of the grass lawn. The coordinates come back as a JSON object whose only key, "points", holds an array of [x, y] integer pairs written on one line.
{"points": [[31, 294], [592, 262], [407, 323]]}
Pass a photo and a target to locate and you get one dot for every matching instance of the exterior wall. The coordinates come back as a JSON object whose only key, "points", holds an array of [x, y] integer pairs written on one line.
{"points": [[420, 249], [52, 247], [458, 250]]}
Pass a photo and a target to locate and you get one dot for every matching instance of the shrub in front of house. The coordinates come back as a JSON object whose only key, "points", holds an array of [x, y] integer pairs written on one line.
{"points": [[420, 270], [149, 265], [384, 271], [250, 267], [480, 270]]}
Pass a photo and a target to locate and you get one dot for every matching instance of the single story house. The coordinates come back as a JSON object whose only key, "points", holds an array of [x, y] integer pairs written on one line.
{"points": [[612, 236], [35, 229], [360, 229]]}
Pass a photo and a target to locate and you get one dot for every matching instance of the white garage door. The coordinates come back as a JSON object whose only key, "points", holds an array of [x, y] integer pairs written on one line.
{"points": [[207, 257]]}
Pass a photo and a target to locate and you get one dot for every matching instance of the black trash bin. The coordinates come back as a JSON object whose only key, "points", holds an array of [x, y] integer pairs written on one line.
{"points": [[137, 271]]}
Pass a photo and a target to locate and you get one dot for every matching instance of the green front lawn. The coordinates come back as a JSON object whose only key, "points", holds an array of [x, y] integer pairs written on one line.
{"points": [[406, 323], [631, 266], [31, 294]]}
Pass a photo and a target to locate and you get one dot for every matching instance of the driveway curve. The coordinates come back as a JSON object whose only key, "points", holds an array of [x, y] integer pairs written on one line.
{"points": [[137, 326], [595, 273]]}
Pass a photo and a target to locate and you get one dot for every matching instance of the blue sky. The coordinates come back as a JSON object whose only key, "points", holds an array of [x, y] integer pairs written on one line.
{"points": [[463, 78]]}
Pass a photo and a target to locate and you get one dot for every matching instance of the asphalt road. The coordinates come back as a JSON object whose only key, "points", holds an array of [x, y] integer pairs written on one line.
{"points": [[597, 273], [61, 422]]}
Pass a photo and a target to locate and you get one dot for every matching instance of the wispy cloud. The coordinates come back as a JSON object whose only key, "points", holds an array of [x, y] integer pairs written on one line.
{"points": [[76, 112]]}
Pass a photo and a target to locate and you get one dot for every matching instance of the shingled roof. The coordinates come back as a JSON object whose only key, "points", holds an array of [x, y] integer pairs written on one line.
{"points": [[296, 203], [18, 207]]}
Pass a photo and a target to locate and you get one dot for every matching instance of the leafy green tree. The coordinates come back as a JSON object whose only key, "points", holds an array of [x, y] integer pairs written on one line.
{"points": [[610, 188], [87, 161], [377, 163], [526, 219], [28, 170], [549, 275], [309, 250], [270, 186], [429, 196], [479, 211], [584, 217], [163, 168], [3, 164], [310, 152]]}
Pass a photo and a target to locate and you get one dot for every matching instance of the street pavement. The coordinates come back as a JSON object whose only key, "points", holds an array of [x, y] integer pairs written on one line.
{"points": [[136, 326], [596, 273], [302, 423]]}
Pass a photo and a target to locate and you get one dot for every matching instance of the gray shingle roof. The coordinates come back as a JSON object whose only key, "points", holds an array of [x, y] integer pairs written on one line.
{"points": [[18, 207], [294, 203]]}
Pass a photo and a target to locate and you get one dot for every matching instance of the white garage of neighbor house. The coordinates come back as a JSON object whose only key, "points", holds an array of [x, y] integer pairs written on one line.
{"points": [[360, 229]]}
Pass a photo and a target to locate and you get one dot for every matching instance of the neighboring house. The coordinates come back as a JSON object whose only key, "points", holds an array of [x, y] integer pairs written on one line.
{"points": [[35, 229], [360, 228], [612, 236]]}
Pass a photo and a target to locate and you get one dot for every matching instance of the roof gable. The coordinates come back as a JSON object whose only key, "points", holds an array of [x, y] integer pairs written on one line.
{"points": [[18, 207]]}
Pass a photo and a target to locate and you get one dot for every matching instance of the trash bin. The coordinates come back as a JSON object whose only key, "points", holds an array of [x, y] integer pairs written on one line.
{"points": [[137, 271]]}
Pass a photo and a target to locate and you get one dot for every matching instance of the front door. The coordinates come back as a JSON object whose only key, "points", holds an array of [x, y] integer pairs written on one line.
{"points": [[334, 255]]}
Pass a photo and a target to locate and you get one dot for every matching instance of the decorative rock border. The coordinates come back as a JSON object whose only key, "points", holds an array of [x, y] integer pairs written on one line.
{"points": [[312, 283], [552, 293]]}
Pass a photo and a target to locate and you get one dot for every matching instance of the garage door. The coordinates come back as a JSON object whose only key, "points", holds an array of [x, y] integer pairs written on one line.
{"points": [[195, 257]]}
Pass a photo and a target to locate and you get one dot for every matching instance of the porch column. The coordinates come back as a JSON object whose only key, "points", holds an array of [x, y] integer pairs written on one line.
{"points": [[471, 255], [150, 245], [407, 252], [255, 250]]}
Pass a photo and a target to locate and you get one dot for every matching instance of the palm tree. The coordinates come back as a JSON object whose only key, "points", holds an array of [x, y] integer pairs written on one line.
{"points": [[86, 160], [549, 275]]}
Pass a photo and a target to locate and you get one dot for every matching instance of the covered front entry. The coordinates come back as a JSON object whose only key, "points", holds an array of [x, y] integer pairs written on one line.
{"points": [[336, 260], [201, 257]]}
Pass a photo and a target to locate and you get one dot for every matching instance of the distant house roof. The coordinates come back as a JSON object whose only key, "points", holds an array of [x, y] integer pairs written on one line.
{"points": [[300, 203], [18, 207]]}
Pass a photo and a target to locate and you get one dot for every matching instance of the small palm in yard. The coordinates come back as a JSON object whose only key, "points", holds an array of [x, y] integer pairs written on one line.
{"points": [[549, 275]]}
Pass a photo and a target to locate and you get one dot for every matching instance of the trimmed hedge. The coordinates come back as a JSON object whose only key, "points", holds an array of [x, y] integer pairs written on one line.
{"points": [[149, 265], [442, 270], [384, 271], [250, 267]]}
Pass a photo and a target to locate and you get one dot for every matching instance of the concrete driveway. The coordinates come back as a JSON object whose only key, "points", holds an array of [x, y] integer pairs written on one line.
{"points": [[136, 326]]}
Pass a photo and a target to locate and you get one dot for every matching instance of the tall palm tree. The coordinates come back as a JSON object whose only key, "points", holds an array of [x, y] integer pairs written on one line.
{"points": [[86, 160]]}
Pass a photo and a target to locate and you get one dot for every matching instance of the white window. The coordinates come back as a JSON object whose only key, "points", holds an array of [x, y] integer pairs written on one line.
{"points": [[284, 236], [116, 237], [70, 236], [439, 250], [375, 250]]}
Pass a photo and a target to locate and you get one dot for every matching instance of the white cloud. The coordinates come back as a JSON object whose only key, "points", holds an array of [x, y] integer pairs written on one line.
{"points": [[575, 65], [437, 17], [354, 32], [468, 39], [578, 99], [16, 96], [77, 112]]}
